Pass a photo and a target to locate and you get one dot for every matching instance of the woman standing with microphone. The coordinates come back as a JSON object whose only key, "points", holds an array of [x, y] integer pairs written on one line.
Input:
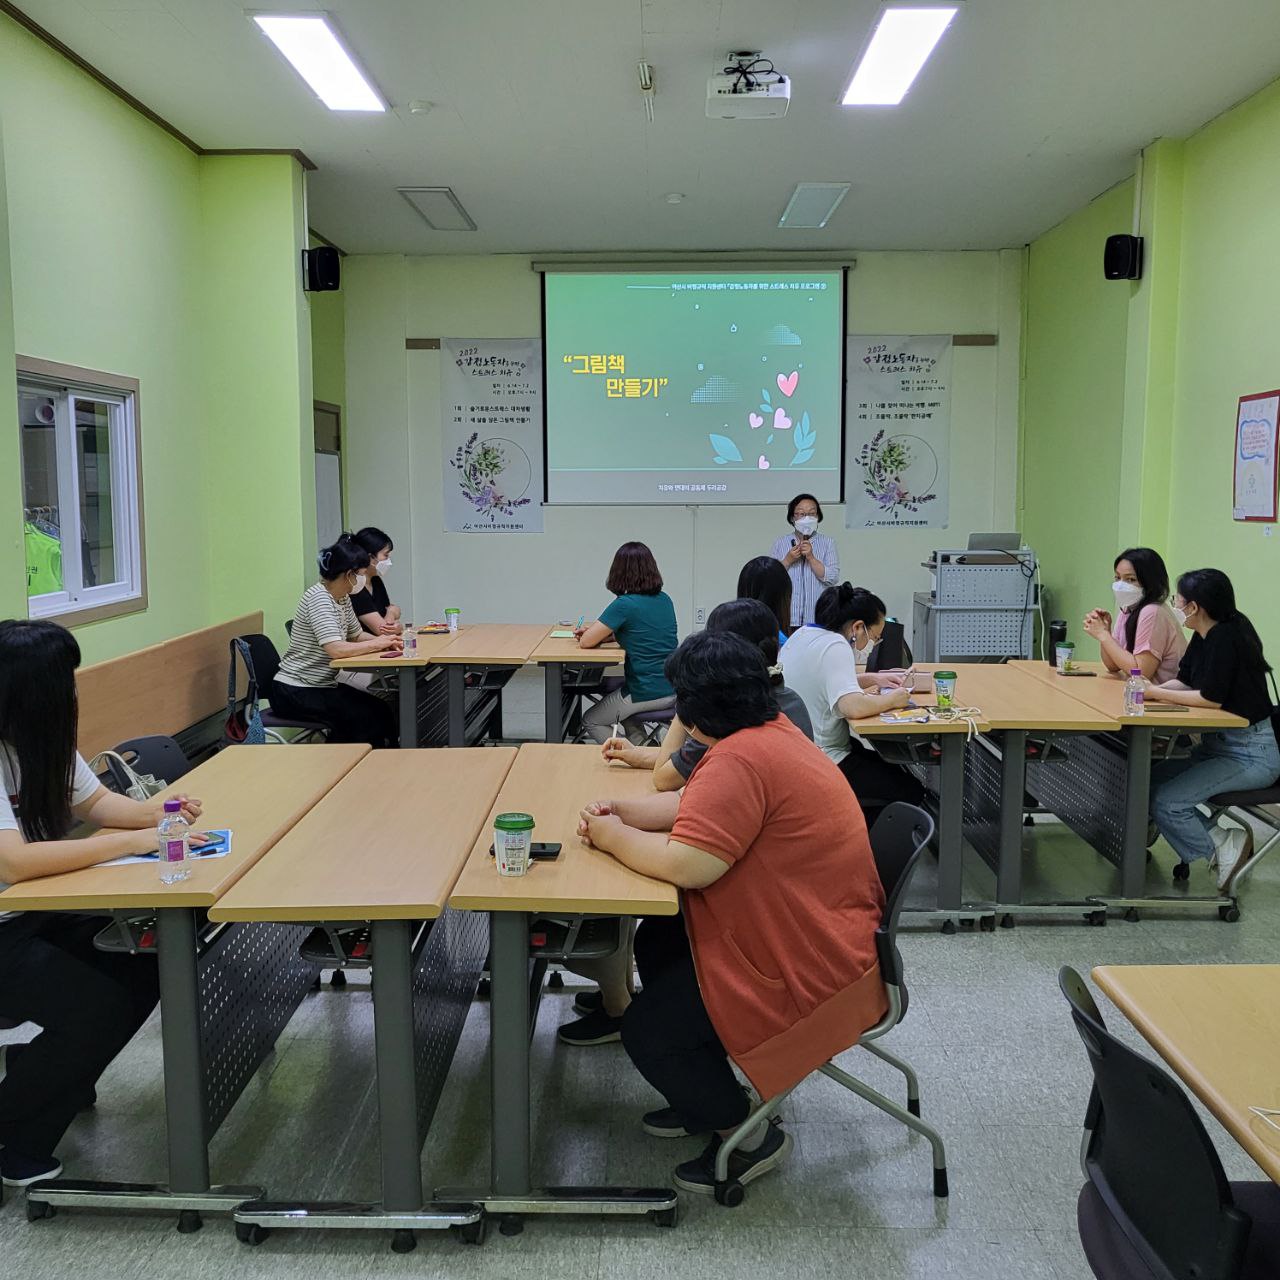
{"points": [[808, 556]]}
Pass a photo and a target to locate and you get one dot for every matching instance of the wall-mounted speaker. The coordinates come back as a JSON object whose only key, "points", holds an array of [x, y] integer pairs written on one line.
{"points": [[1122, 258], [321, 269]]}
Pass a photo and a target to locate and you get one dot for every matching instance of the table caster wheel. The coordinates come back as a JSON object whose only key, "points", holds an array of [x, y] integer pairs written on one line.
{"points": [[730, 1194], [948, 927], [339, 979], [987, 924], [251, 1233], [556, 981], [403, 1242], [664, 1217], [1132, 915], [1229, 914], [472, 1232], [1006, 921], [511, 1224], [37, 1209], [189, 1221]]}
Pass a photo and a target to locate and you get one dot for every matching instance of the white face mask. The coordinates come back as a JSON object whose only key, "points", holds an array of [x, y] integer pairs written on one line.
{"points": [[1127, 594], [1181, 615], [360, 581], [806, 525], [383, 567]]}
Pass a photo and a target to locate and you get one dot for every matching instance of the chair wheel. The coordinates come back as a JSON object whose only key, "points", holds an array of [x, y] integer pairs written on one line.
{"points": [[1229, 914], [37, 1209], [1132, 915], [472, 1232], [189, 1221], [987, 924], [403, 1242], [511, 1224], [339, 979], [1006, 921], [665, 1217], [730, 1194], [940, 1188], [1181, 871], [948, 927], [251, 1233]]}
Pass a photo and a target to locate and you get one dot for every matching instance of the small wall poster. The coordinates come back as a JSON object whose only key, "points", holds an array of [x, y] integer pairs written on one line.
{"points": [[897, 432], [1253, 493], [491, 415]]}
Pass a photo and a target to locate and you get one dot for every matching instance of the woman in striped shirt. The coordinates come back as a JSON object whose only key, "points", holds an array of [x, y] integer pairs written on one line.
{"points": [[808, 556], [325, 627]]}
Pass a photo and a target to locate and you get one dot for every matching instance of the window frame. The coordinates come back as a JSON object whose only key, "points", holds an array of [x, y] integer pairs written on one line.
{"points": [[68, 383]]}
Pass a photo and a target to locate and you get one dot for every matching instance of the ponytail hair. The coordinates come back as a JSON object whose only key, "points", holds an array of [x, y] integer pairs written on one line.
{"points": [[754, 622], [343, 557], [1211, 589], [838, 606]]}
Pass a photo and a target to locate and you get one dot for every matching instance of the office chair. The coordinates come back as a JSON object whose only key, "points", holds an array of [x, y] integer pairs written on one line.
{"points": [[1156, 1204], [262, 662], [899, 835]]}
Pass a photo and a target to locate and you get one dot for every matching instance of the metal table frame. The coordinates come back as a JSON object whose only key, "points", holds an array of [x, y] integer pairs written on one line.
{"points": [[188, 1059]]}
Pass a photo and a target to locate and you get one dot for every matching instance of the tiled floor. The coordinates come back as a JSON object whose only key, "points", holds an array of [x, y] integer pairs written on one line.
{"points": [[1001, 1069]]}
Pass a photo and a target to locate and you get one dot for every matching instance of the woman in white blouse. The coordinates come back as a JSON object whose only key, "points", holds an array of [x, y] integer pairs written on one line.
{"points": [[808, 556]]}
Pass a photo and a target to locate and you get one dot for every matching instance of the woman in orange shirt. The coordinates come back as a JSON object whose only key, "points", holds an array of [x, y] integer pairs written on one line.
{"points": [[774, 963]]}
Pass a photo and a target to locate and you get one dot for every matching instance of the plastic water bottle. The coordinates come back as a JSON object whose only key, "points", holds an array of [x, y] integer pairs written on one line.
{"points": [[409, 639], [1134, 694], [174, 832]]}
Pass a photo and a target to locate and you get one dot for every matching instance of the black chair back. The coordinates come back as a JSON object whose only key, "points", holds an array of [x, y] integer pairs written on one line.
{"points": [[898, 837], [157, 755], [892, 653], [265, 659], [1151, 1164]]}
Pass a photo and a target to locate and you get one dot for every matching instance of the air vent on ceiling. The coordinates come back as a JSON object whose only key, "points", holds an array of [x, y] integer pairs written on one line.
{"points": [[439, 208], [812, 204]]}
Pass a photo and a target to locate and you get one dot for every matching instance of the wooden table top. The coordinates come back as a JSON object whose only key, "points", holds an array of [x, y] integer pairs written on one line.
{"points": [[1011, 699], [1218, 1027], [386, 843], [1105, 692], [499, 644], [258, 792], [561, 650], [874, 727], [428, 647], [553, 782]]}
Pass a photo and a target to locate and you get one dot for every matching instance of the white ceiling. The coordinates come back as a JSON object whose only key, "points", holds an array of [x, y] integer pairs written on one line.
{"points": [[1028, 109]]}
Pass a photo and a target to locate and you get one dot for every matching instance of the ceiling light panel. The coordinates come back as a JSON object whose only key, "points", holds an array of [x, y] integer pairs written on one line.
{"points": [[900, 46], [311, 44], [439, 208], [812, 204]]}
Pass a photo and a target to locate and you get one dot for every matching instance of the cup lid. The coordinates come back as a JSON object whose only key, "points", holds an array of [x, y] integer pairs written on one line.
{"points": [[944, 675], [514, 822]]}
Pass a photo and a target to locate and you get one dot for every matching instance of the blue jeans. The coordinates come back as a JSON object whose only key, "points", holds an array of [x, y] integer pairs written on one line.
{"points": [[1227, 760]]}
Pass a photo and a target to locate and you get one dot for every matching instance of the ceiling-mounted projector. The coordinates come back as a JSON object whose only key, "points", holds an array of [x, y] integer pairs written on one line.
{"points": [[748, 87]]}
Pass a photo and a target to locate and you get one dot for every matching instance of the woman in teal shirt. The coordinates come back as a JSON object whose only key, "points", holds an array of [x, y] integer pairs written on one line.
{"points": [[643, 620]]}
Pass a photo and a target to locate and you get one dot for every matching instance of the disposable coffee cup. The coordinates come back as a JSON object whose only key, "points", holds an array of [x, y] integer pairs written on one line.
{"points": [[451, 617], [944, 685], [512, 841], [1066, 655]]}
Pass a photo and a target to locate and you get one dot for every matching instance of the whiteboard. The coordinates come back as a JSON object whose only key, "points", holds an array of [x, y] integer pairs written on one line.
{"points": [[328, 497]]}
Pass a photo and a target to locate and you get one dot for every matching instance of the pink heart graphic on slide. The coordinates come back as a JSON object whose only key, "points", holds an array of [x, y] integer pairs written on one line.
{"points": [[787, 383], [763, 464], [756, 421], [780, 420]]}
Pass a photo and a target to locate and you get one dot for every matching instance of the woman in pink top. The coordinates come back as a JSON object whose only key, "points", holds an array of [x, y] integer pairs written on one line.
{"points": [[1145, 635]]}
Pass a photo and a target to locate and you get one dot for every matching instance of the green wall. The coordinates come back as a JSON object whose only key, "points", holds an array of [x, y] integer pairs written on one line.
{"points": [[328, 340], [199, 298], [1226, 345], [1130, 390], [1073, 402]]}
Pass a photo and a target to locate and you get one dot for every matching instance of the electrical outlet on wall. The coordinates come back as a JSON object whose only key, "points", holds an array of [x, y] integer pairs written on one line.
{"points": [[701, 617]]}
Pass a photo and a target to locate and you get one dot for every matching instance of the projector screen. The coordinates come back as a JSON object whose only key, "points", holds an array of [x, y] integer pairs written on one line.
{"points": [[716, 387]]}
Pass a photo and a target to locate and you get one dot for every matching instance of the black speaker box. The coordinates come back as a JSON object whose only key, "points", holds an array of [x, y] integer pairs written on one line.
{"points": [[1122, 258], [321, 269]]}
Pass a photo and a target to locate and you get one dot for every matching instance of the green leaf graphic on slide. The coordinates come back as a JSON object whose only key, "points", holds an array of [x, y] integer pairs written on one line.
{"points": [[805, 439], [726, 450]]}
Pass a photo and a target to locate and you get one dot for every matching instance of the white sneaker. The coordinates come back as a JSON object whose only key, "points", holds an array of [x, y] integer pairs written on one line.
{"points": [[1234, 851]]}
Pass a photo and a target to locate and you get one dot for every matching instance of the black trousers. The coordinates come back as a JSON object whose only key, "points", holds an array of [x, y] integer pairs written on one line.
{"points": [[668, 1035], [877, 783], [89, 1003], [351, 714]]}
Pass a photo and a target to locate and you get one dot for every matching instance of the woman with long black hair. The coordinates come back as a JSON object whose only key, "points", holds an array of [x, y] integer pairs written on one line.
{"points": [[89, 1003], [1224, 667], [765, 579], [1143, 635]]}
